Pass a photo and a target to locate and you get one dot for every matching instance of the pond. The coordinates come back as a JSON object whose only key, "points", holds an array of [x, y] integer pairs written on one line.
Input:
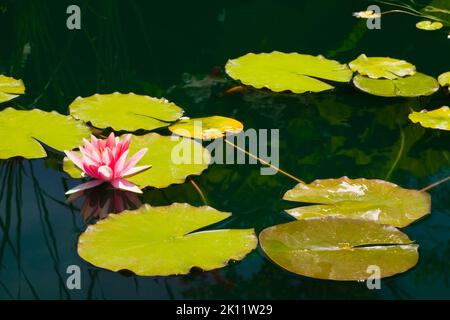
{"points": [[178, 50]]}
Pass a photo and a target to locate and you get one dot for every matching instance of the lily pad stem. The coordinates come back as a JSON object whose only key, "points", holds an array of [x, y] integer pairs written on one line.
{"points": [[265, 162], [200, 192], [435, 184]]}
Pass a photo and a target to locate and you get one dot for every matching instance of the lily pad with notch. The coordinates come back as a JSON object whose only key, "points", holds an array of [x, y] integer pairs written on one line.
{"points": [[339, 249], [436, 119], [10, 88], [382, 67], [161, 241], [206, 128], [368, 199], [416, 85], [21, 132], [279, 71], [128, 112]]}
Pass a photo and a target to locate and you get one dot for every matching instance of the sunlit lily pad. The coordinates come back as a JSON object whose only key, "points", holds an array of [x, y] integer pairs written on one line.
{"points": [[280, 71], [429, 25], [21, 132], [416, 85], [10, 88], [339, 249], [369, 199], [162, 155], [444, 79], [382, 67], [206, 128], [160, 241], [129, 112], [436, 119]]}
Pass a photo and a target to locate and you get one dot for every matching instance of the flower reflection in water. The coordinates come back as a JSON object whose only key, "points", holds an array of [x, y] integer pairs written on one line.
{"points": [[100, 201]]}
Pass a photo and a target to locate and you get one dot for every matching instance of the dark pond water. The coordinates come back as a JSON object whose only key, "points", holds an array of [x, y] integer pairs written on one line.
{"points": [[177, 49]]}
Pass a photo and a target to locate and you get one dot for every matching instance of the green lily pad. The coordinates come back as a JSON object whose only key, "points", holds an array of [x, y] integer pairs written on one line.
{"points": [[429, 25], [436, 119], [280, 71], [416, 85], [129, 112], [166, 168], [376, 200], [206, 128], [160, 241], [338, 249], [444, 80], [22, 130], [380, 67], [10, 88]]}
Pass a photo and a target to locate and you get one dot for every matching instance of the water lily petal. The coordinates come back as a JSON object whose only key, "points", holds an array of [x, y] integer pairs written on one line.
{"points": [[84, 186], [105, 173], [123, 184], [74, 158], [111, 141], [135, 170], [135, 159], [120, 164]]}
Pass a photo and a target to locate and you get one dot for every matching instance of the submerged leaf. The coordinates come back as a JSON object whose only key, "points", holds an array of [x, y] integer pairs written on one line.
{"points": [[280, 71], [339, 249], [160, 241], [10, 88], [379, 67], [436, 119], [129, 112], [444, 80], [416, 85], [376, 200], [22, 130], [429, 25], [206, 128], [172, 160]]}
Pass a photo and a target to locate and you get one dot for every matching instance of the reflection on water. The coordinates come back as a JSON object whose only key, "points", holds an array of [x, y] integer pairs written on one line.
{"points": [[102, 200], [125, 47]]}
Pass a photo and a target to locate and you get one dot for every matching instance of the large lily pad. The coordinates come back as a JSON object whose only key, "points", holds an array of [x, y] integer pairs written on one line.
{"points": [[382, 67], [436, 119], [444, 79], [129, 112], [280, 71], [376, 200], [160, 241], [416, 85], [165, 170], [338, 249], [10, 88], [22, 130], [206, 128]]}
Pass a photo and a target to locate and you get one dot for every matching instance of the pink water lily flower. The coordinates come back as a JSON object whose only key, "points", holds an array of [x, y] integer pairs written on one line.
{"points": [[106, 161]]}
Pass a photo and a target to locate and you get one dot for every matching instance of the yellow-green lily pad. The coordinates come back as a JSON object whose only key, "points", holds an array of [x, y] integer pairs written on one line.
{"points": [[294, 72], [129, 112], [429, 25], [21, 132], [10, 88], [436, 119], [339, 249], [368, 199], [162, 241], [206, 128], [416, 85], [173, 159], [382, 67], [444, 80]]}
